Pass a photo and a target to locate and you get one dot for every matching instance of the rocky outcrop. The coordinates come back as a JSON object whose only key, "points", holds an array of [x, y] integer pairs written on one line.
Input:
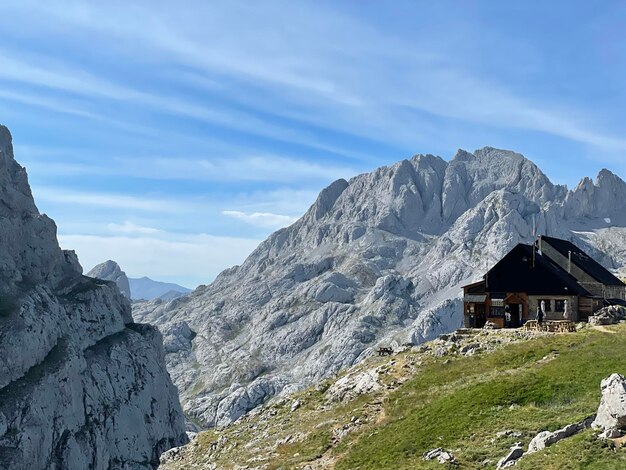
{"points": [[111, 271], [608, 315], [547, 438], [378, 259], [611, 416], [353, 385], [441, 455], [510, 459], [81, 385]]}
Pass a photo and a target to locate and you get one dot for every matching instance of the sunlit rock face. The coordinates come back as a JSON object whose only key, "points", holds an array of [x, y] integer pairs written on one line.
{"points": [[81, 385], [376, 259], [111, 271]]}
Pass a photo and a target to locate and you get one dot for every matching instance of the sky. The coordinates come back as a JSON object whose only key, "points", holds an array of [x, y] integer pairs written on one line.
{"points": [[173, 137]]}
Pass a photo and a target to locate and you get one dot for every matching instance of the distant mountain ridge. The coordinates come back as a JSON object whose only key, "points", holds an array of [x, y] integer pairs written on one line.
{"points": [[377, 259], [142, 288]]}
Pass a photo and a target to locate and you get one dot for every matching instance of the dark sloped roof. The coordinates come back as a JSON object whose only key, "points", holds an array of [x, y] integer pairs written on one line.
{"points": [[475, 288], [515, 273], [583, 261]]}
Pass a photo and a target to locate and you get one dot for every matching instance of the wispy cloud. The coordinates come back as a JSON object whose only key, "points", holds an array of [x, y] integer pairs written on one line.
{"points": [[109, 200], [262, 219], [356, 101], [131, 228], [191, 259], [236, 168]]}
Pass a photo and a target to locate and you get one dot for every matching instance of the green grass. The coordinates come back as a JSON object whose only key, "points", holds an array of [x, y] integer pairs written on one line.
{"points": [[463, 404], [456, 402], [583, 451]]}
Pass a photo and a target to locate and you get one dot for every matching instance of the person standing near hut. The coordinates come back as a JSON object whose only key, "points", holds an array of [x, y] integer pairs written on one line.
{"points": [[539, 318], [507, 316]]}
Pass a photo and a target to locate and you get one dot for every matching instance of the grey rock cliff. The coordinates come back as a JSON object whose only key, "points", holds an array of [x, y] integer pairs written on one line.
{"points": [[81, 385], [376, 260]]}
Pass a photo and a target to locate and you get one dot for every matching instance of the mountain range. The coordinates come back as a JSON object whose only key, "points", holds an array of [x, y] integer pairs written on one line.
{"points": [[376, 260], [142, 288]]}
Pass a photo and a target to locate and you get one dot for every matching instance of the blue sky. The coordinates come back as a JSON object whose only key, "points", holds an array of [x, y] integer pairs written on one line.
{"points": [[173, 137]]}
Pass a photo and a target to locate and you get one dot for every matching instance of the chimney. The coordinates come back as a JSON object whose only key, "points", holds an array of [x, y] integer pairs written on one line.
{"points": [[569, 261]]}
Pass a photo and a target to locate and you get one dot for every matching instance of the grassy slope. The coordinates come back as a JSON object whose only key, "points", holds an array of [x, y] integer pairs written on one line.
{"points": [[462, 405], [459, 403]]}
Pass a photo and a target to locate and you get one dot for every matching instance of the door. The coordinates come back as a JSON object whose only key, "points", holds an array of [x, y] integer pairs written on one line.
{"points": [[515, 310], [481, 317]]}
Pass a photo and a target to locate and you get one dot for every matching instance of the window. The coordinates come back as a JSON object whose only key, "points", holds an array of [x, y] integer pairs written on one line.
{"points": [[559, 305], [548, 304], [497, 311]]}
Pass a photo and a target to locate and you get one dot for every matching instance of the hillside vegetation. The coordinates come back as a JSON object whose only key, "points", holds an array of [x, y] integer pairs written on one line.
{"points": [[474, 403]]}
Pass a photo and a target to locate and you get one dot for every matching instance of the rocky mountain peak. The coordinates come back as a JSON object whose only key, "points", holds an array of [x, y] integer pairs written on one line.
{"points": [[609, 180], [462, 156], [604, 198], [6, 141], [378, 259], [111, 271], [13, 177], [327, 198], [29, 252]]}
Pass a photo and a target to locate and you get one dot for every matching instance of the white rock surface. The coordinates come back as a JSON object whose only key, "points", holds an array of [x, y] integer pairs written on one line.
{"points": [[353, 385], [611, 414], [608, 315], [111, 271], [443, 456], [81, 385], [376, 260], [546, 438]]}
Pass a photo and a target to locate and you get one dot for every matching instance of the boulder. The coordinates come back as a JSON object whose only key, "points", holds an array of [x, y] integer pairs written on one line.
{"points": [[546, 438], [470, 349], [353, 385], [443, 456], [608, 315], [612, 410], [511, 458]]}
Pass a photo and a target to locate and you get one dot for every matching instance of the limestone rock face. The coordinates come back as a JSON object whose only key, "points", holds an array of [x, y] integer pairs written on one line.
{"points": [[612, 411], [111, 271], [81, 385], [352, 385], [377, 260]]}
